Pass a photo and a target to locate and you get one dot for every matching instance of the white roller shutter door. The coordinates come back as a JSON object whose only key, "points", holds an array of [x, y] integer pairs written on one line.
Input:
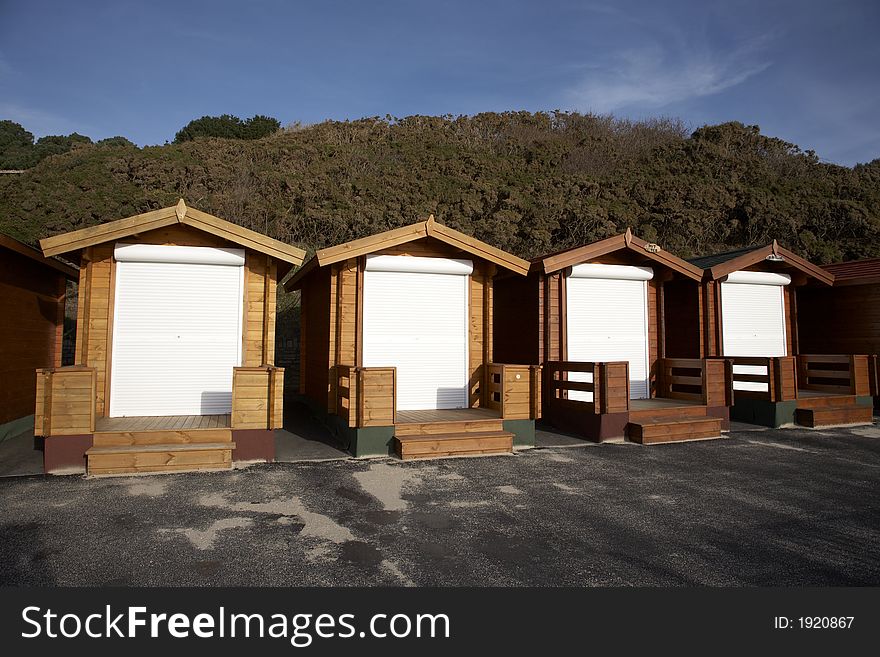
{"points": [[416, 319], [176, 330], [753, 320], [607, 320]]}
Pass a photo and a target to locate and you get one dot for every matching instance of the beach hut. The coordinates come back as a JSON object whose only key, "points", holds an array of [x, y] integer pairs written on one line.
{"points": [[396, 345], [175, 347], [615, 325], [753, 303], [845, 318], [32, 296]]}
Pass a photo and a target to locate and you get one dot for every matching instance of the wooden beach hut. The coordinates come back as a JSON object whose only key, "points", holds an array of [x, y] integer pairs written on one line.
{"points": [[615, 325], [845, 318], [396, 345], [175, 347], [753, 300], [32, 296]]}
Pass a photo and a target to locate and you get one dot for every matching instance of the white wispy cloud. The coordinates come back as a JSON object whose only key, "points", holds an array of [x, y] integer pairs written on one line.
{"points": [[657, 74]]}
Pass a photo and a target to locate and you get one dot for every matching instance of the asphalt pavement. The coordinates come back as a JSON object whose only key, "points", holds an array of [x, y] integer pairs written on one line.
{"points": [[774, 507]]}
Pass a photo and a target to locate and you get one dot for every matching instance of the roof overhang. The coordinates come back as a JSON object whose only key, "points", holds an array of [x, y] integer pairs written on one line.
{"points": [[770, 253], [179, 214], [388, 239], [21, 248], [625, 241]]}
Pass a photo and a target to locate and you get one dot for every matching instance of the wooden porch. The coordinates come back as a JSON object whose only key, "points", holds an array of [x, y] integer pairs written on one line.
{"points": [[691, 402], [367, 396], [825, 388], [126, 445]]}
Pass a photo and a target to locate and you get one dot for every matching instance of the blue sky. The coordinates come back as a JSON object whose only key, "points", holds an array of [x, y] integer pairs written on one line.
{"points": [[806, 71]]}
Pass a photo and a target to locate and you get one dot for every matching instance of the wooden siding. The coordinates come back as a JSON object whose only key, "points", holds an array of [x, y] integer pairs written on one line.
{"points": [[517, 323], [653, 335], [32, 298], [681, 301], [64, 401], [260, 299], [316, 330], [257, 397], [789, 324], [839, 320]]}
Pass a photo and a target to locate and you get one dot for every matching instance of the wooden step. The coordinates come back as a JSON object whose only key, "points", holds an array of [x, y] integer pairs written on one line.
{"points": [[652, 431], [672, 412], [454, 427], [827, 400], [130, 459], [166, 437], [453, 444], [825, 416]]}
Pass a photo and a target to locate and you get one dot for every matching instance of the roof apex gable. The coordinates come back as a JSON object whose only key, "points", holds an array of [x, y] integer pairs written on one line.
{"points": [[163, 217]]}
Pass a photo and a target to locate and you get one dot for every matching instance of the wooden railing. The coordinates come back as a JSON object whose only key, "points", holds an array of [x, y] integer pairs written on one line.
{"points": [[591, 387], [707, 381], [65, 401], [514, 391], [366, 396], [771, 378], [257, 397], [841, 374]]}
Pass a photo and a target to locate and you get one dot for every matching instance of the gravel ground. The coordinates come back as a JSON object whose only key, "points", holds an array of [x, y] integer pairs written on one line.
{"points": [[780, 507]]}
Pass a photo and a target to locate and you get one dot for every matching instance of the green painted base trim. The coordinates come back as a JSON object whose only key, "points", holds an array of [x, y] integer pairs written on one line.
{"points": [[373, 441], [16, 427], [523, 432], [366, 441], [765, 413], [865, 401]]}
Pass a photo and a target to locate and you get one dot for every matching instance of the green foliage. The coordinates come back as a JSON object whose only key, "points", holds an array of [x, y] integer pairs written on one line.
{"points": [[227, 126], [115, 142], [16, 147], [528, 183], [18, 150]]}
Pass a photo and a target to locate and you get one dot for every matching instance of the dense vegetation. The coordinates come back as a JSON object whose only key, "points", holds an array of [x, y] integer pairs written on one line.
{"points": [[525, 182], [228, 127], [19, 151]]}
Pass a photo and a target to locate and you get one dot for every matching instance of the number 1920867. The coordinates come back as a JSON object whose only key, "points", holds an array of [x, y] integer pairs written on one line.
{"points": [[813, 622]]}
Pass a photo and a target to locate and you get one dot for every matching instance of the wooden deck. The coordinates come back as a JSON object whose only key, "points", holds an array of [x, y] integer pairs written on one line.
{"points": [[658, 403], [446, 415], [161, 423]]}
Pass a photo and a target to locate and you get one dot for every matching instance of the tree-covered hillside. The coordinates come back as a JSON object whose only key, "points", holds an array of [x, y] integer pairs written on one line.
{"points": [[524, 182]]}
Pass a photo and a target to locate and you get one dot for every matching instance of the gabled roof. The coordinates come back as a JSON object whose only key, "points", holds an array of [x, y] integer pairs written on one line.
{"points": [[416, 231], [855, 272], [13, 244], [181, 214], [561, 259], [719, 266]]}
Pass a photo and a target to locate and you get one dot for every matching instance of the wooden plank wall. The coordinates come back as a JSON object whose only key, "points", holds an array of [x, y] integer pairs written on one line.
{"points": [[552, 324], [317, 306], [517, 324], [681, 299], [96, 300], [653, 335], [64, 399], [257, 397], [790, 328], [258, 331], [711, 325], [839, 320], [32, 302], [376, 396]]}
